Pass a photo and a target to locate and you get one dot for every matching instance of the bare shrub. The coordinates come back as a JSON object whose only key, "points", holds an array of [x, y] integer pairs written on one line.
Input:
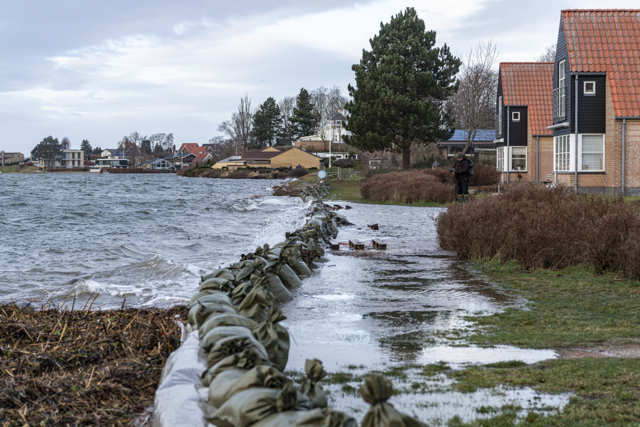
{"points": [[345, 163], [546, 228], [297, 172], [406, 187]]}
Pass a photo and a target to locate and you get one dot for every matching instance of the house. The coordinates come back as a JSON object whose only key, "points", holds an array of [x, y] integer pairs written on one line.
{"points": [[70, 159], [158, 164], [202, 155], [110, 152], [6, 157], [524, 144], [112, 162], [332, 132], [482, 147], [231, 163], [188, 147], [596, 102], [294, 157], [272, 157]]}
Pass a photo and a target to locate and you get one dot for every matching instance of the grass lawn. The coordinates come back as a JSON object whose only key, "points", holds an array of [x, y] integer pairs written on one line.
{"points": [[570, 308], [8, 169]]}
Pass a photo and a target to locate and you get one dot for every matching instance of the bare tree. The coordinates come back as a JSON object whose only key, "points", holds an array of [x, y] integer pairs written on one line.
{"points": [[65, 144], [168, 144], [286, 104], [239, 127], [327, 102], [157, 140], [549, 54], [221, 147], [473, 106]]}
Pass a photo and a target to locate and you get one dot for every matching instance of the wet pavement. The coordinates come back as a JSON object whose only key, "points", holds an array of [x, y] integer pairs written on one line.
{"points": [[373, 310]]}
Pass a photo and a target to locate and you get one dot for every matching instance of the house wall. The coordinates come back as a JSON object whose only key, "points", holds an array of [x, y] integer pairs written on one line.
{"points": [[316, 145], [562, 53], [545, 151], [294, 157], [518, 130], [632, 158]]}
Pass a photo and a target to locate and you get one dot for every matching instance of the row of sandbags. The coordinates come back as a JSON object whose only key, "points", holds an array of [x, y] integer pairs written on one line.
{"points": [[246, 348]]}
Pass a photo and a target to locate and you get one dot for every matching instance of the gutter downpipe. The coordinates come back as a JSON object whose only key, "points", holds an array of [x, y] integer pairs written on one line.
{"points": [[624, 151], [576, 142], [537, 157], [508, 162]]}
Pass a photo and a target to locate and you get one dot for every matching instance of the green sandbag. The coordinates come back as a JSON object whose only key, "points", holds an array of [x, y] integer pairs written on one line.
{"points": [[221, 384], [234, 345], [224, 273], [260, 376], [376, 390], [225, 320], [310, 386], [288, 277], [213, 297], [291, 254], [275, 338], [216, 334], [217, 284], [201, 294], [254, 306], [281, 293], [246, 271], [240, 292], [245, 360], [202, 311], [252, 405], [321, 417]]}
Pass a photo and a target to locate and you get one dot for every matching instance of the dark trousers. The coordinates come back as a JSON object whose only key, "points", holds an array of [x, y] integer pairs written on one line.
{"points": [[462, 187]]}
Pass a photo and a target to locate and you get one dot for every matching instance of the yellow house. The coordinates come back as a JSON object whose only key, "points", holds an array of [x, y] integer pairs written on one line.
{"points": [[295, 157], [231, 163]]}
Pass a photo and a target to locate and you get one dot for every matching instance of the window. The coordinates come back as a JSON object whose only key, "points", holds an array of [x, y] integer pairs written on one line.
{"points": [[592, 152], [561, 86], [562, 153], [515, 116], [519, 158], [500, 159], [589, 88]]}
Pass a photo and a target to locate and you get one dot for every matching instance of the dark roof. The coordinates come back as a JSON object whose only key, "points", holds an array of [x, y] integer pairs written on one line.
{"points": [[338, 116], [460, 135], [254, 154], [530, 84], [608, 41]]}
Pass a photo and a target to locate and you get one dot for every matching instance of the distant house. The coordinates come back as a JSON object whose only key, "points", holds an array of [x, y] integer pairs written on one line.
{"points": [[231, 163], [7, 157], [188, 147], [112, 162], [332, 132], [524, 144], [202, 155], [482, 147], [110, 152], [158, 164], [70, 159], [272, 157], [596, 101]]}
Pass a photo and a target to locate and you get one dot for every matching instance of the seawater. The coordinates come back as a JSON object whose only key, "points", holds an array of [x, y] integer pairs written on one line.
{"points": [[146, 238]]}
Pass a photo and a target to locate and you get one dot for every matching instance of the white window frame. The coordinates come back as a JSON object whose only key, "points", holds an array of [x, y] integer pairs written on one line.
{"points": [[500, 114], [587, 93], [562, 82], [562, 153], [515, 116], [581, 152], [511, 159], [500, 159]]}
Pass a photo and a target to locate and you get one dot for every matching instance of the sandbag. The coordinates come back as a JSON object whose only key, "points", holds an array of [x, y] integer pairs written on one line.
{"points": [[321, 417], [226, 320], [250, 406], [275, 338], [234, 345], [288, 277], [212, 297], [224, 273], [221, 384], [276, 286], [206, 310], [254, 306], [216, 334], [291, 254], [240, 292], [246, 271], [246, 360], [260, 376], [376, 390], [310, 386], [217, 284], [202, 294]]}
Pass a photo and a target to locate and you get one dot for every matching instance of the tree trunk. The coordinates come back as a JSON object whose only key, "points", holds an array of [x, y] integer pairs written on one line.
{"points": [[406, 158]]}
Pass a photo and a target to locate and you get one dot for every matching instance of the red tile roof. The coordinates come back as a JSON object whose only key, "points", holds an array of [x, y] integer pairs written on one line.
{"points": [[200, 157], [607, 41], [531, 84], [189, 147]]}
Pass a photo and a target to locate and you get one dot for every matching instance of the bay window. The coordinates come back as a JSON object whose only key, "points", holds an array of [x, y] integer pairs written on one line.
{"points": [[500, 159], [562, 151]]}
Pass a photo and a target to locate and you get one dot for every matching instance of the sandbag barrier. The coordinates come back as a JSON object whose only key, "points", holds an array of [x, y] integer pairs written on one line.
{"points": [[229, 369]]}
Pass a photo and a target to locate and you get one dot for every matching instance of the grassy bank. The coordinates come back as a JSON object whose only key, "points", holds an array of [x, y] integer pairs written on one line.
{"points": [[8, 169], [82, 367]]}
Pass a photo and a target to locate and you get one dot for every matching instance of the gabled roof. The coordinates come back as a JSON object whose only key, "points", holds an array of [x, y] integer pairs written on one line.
{"points": [[201, 157], [255, 154], [189, 147], [530, 84], [601, 40]]}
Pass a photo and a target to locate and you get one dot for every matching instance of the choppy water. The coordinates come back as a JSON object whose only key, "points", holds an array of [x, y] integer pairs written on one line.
{"points": [[144, 237]]}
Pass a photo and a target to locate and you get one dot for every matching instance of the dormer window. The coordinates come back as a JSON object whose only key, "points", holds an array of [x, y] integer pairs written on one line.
{"points": [[589, 88], [515, 116]]}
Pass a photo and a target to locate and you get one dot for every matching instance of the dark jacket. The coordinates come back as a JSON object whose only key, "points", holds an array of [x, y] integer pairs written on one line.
{"points": [[461, 173]]}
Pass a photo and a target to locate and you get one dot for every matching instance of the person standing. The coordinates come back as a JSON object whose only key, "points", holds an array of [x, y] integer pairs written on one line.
{"points": [[460, 172]]}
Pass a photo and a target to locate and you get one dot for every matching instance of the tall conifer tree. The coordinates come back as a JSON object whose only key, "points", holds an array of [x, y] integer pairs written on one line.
{"points": [[401, 87], [303, 121], [267, 123]]}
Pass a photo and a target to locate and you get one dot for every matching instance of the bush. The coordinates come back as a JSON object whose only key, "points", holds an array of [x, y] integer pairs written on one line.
{"points": [[406, 187], [297, 173], [345, 163], [546, 228]]}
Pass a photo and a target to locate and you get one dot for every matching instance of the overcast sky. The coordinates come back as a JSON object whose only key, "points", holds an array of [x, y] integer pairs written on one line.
{"points": [[99, 70]]}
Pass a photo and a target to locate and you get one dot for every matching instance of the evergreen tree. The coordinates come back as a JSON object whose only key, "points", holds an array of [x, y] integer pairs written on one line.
{"points": [[401, 87], [267, 123], [303, 121], [86, 147], [49, 150]]}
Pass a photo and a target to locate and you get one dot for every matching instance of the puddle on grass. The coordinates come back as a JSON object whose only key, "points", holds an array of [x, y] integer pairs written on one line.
{"points": [[394, 307]]}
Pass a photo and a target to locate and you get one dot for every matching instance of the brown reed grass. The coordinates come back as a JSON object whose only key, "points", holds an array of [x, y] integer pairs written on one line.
{"points": [[64, 367], [407, 187], [546, 228]]}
